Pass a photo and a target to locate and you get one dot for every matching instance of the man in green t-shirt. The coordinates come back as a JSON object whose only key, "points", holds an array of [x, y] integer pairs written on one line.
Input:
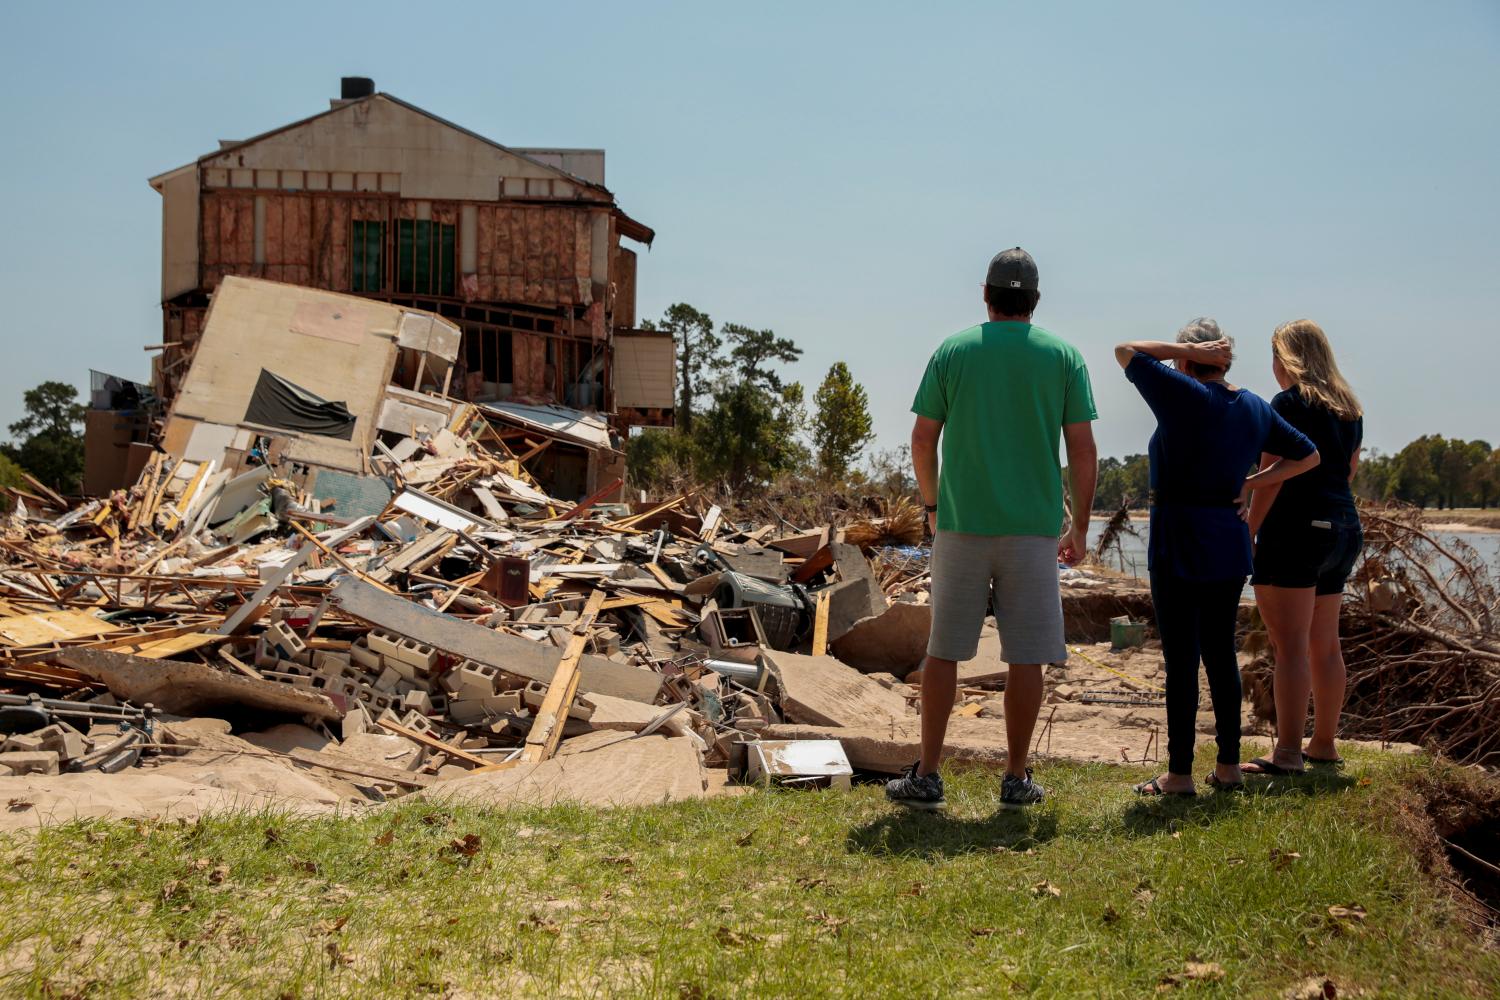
{"points": [[999, 395]]}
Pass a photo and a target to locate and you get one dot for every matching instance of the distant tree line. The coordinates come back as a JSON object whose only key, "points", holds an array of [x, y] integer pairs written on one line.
{"points": [[1432, 471], [737, 421]]}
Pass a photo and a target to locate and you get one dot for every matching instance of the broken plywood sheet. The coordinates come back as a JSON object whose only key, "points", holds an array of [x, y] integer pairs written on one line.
{"points": [[52, 626], [509, 653], [620, 714], [819, 690], [181, 688], [601, 769]]}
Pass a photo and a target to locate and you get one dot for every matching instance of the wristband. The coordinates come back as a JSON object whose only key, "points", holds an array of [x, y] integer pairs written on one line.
{"points": [[930, 508]]}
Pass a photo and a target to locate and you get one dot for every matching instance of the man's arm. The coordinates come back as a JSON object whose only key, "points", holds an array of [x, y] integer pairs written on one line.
{"points": [[924, 462], [1083, 476]]}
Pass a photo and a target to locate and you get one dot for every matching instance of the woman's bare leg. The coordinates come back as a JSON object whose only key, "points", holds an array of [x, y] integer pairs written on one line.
{"points": [[1288, 614], [1327, 669]]}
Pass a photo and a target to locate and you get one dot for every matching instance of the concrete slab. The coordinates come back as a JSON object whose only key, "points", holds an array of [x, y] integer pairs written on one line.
{"points": [[602, 769], [819, 690]]}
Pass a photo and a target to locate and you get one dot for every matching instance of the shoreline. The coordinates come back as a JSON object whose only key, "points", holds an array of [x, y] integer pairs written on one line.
{"points": [[1432, 522]]}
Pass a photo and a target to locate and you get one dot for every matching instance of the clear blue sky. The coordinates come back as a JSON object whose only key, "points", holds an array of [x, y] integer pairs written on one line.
{"points": [[841, 172]]}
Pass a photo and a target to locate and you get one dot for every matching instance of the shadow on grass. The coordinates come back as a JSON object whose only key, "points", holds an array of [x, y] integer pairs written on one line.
{"points": [[1148, 817], [942, 835]]}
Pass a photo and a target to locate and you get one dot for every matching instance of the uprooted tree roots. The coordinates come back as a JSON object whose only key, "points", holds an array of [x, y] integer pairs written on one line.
{"points": [[1421, 642]]}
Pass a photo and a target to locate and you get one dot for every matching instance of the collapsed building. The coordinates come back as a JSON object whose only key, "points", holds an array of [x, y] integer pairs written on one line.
{"points": [[513, 259]]}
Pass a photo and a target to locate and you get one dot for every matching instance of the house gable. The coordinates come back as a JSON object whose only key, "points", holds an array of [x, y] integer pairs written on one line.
{"points": [[382, 144]]}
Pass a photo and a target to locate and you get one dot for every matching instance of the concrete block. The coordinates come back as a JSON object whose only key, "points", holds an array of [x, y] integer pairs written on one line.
{"points": [[380, 702], [439, 702], [328, 662], [470, 679], [382, 642], [417, 701], [34, 762], [387, 680], [63, 740], [286, 643], [366, 657], [265, 656], [417, 723], [23, 742], [418, 654]]}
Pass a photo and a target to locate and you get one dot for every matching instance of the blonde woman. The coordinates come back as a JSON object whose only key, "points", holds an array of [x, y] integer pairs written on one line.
{"points": [[1308, 537]]}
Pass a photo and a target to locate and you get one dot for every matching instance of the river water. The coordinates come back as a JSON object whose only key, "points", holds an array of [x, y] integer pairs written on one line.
{"points": [[1485, 543]]}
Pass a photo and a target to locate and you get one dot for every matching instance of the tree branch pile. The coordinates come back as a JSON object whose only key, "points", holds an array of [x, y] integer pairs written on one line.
{"points": [[1421, 642]]}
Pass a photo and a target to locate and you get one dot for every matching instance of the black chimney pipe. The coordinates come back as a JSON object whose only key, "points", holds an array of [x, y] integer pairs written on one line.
{"points": [[352, 88]]}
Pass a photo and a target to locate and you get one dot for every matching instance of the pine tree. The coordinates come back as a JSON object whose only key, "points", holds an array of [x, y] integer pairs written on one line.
{"points": [[841, 425]]}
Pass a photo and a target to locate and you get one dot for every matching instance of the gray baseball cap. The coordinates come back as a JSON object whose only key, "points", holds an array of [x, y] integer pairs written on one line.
{"points": [[1012, 268]]}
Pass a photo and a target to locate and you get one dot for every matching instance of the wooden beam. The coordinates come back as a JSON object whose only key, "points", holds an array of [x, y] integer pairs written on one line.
{"points": [[547, 724], [431, 743]]}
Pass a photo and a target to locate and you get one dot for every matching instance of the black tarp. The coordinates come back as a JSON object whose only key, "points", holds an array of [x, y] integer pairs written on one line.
{"points": [[277, 402]]}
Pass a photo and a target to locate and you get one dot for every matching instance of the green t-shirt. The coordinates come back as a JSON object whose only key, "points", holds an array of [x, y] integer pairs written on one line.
{"points": [[1003, 392]]}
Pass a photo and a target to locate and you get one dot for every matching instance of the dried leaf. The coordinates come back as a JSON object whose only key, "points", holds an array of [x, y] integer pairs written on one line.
{"points": [[170, 889], [273, 836], [1282, 860], [326, 927], [336, 956], [983, 931], [827, 922], [744, 839], [1045, 888], [1110, 915], [302, 865], [1314, 988], [728, 937], [218, 875], [467, 847], [625, 861], [21, 805], [386, 839], [1192, 971], [916, 889]]}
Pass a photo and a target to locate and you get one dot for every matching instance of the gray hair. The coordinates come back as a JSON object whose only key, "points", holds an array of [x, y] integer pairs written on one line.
{"points": [[1203, 330]]}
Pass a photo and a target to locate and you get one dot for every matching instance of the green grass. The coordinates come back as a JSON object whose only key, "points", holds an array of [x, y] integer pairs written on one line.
{"points": [[769, 894]]}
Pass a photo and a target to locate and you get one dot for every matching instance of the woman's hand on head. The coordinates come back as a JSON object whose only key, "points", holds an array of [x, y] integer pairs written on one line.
{"points": [[1217, 353]]}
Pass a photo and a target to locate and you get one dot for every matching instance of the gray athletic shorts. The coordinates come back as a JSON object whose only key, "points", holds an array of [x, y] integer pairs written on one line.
{"points": [[1021, 571]]}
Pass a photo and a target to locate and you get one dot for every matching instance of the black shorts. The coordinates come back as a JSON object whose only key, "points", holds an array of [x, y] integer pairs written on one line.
{"points": [[1311, 553]]}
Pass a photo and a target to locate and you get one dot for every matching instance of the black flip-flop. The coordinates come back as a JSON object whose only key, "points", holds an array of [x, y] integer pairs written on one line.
{"points": [[1152, 790], [1323, 761], [1268, 766], [1212, 780]]}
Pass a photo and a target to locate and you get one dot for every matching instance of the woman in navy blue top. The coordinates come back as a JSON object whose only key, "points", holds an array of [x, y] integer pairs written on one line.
{"points": [[1308, 537], [1208, 437]]}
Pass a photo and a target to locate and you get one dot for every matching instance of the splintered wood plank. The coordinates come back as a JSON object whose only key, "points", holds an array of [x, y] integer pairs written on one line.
{"points": [[820, 625], [547, 724]]}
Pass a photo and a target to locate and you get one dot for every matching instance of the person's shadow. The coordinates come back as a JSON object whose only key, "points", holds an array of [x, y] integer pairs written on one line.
{"points": [[942, 835], [1149, 817]]}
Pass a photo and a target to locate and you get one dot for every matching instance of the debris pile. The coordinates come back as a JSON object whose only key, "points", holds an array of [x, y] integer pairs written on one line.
{"points": [[391, 592]]}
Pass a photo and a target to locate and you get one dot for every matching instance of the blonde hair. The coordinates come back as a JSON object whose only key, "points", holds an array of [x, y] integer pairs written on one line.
{"points": [[1304, 351]]}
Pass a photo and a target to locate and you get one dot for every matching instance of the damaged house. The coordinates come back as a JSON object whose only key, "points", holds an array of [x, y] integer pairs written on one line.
{"points": [[522, 250]]}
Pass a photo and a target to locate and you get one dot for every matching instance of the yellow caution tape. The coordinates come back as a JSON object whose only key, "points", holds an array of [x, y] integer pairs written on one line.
{"points": [[1118, 673]]}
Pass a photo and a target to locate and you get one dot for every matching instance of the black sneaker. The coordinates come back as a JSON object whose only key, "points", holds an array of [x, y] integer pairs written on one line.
{"points": [[1018, 793], [916, 791]]}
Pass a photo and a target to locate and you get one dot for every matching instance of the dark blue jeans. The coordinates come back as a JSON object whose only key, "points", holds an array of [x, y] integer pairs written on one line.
{"points": [[1196, 620]]}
